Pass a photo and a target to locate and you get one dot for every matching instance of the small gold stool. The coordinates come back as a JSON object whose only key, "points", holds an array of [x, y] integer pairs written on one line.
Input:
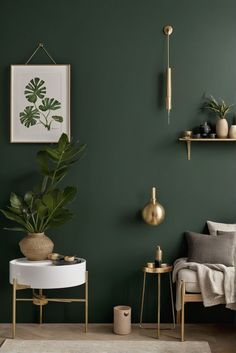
{"points": [[158, 271]]}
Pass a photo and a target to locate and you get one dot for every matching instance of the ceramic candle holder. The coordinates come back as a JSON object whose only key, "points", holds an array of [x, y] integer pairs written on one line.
{"points": [[150, 264], [188, 133]]}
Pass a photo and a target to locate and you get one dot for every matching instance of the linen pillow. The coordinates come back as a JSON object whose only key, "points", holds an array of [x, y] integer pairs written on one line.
{"points": [[220, 232], [210, 249], [213, 227]]}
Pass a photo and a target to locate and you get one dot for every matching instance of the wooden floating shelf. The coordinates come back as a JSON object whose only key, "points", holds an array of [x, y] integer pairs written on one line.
{"points": [[190, 140]]}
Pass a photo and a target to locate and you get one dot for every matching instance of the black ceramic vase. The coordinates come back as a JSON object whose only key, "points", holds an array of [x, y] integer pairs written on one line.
{"points": [[205, 129]]}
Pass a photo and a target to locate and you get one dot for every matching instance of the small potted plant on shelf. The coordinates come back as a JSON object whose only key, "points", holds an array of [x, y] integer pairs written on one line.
{"points": [[221, 109], [45, 206]]}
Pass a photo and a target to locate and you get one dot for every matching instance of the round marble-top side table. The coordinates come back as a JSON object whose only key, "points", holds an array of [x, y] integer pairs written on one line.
{"points": [[40, 275]]}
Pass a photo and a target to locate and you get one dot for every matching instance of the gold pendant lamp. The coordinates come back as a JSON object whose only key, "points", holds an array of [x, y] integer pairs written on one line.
{"points": [[153, 213]]}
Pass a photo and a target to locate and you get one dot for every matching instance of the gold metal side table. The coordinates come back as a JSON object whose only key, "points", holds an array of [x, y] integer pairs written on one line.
{"points": [[159, 271]]}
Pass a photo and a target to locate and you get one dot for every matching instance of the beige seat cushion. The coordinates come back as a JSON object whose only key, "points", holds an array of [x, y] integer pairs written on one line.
{"points": [[190, 279]]}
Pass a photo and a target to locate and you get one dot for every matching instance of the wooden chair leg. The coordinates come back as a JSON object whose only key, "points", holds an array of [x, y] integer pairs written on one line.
{"points": [[182, 309], [178, 317]]}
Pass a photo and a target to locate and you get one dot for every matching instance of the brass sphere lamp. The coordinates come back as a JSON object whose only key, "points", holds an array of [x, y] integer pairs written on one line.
{"points": [[153, 213]]}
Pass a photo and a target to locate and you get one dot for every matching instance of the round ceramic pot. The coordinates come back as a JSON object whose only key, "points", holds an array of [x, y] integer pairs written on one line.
{"points": [[232, 132], [222, 128], [36, 246]]}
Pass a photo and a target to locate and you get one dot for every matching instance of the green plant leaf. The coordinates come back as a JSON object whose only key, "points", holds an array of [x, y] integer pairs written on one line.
{"points": [[220, 107], [49, 104], [55, 200], [35, 89], [42, 159], [14, 217], [60, 217], [57, 118], [41, 209], [29, 197], [29, 116], [63, 142], [53, 153], [48, 200], [15, 201], [17, 211], [16, 229], [69, 195], [44, 207]]}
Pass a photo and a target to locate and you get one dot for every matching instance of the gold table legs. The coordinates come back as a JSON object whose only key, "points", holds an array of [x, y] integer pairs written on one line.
{"points": [[158, 304], [14, 309], [40, 300], [142, 301], [86, 302], [158, 301]]}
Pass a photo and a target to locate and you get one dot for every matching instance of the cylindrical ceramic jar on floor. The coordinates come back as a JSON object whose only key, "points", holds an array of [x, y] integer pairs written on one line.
{"points": [[122, 320]]}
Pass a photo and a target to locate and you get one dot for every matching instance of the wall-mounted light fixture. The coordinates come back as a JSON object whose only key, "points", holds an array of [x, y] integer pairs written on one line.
{"points": [[168, 30], [153, 213]]}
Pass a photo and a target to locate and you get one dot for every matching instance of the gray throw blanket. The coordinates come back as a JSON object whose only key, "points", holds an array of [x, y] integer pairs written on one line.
{"points": [[216, 281]]}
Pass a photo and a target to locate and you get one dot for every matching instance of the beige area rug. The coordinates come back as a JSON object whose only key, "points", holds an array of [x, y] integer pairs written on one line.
{"points": [[50, 346]]}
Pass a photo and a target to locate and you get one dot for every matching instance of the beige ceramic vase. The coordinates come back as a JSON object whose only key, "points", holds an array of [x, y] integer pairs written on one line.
{"points": [[222, 128], [36, 246], [232, 132]]}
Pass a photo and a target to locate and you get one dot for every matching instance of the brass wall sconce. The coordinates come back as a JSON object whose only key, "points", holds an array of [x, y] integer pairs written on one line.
{"points": [[168, 30], [153, 213]]}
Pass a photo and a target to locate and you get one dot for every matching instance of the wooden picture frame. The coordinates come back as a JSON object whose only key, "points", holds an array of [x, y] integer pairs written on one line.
{"points": [[40, 103]]}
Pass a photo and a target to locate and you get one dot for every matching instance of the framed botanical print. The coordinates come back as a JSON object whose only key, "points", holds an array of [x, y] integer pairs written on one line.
{"points": [[40, 103]]}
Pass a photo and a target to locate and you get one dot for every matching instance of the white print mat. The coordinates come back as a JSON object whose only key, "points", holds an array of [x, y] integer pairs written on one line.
{"points": [[51, 346]]}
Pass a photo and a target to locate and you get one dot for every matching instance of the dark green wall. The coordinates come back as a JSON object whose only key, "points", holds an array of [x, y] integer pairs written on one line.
{"points": [[117, 53]]}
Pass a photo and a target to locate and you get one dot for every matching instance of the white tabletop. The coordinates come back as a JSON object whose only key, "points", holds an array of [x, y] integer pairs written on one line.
{"points": [[46, 275]]}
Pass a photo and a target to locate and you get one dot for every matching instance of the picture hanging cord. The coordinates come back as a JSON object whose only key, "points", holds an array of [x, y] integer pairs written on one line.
{"points": [[40, 46]]}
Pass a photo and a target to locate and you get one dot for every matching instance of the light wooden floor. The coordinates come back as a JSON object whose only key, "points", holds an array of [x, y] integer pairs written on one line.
{"points": [[222, 338]]}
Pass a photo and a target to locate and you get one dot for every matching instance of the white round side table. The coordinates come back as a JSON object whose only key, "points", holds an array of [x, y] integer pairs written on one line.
{"points": [[40, 275]]}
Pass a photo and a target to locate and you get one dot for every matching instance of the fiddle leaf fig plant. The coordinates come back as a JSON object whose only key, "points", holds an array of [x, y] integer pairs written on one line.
{"points": [[46, 206]]}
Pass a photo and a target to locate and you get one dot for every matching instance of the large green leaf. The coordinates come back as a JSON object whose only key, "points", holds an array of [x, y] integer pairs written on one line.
{"points": [[29, 116], [53, 153], [69, 195], [42, 159], [59, 159], [35, 89], [49, 104], [17, 211], [63, 142], [14, 217], [40, 208], [15, 201], [29, 198], [16, 229], [55, 200], [60, 217], [48, 200]]}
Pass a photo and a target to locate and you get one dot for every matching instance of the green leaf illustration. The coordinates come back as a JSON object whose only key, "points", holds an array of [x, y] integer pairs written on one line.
{"points": [[35, 89], [29, 116], [49, 104], [57, 118]]}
